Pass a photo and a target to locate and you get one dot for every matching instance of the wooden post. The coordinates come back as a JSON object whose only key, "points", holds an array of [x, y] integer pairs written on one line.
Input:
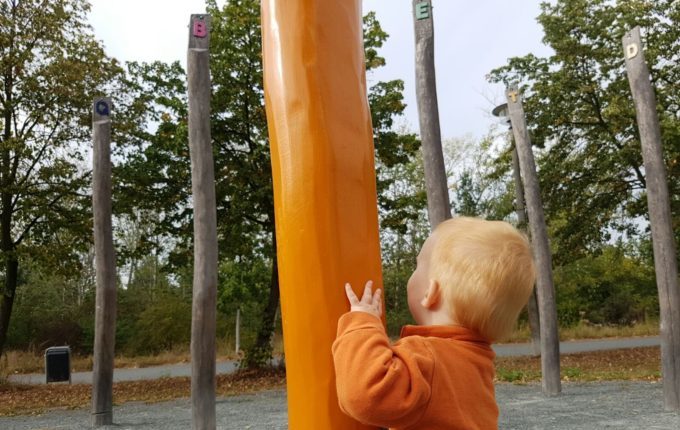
{"points": [[665, 254], [532, 305], [238, 331], [550, 344], [105, 266], [204, 308], [438, 204]]}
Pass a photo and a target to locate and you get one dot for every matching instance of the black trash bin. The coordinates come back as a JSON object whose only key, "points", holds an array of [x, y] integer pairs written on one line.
{"points": [[58, 364]]}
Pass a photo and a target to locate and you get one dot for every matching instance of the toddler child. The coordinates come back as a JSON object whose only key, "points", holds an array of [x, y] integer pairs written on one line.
{"points": [[472, 279]]}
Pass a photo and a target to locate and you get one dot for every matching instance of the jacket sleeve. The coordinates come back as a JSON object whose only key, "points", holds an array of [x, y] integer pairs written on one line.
{"points": [[378, 383]]}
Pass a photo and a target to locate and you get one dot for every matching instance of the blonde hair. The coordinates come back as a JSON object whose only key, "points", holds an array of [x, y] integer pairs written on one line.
{"points": [[486, 272]]}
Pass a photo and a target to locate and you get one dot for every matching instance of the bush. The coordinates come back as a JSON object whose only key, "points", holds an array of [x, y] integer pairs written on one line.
{"points": [[163, 325], [610, 288], [395, 279]]}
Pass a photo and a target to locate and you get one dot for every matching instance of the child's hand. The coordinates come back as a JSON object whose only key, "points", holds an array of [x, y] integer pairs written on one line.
{"points": [[370, 302]]}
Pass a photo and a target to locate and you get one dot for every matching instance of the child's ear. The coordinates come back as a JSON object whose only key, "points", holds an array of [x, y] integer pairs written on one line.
{"points": [[432, 296]]}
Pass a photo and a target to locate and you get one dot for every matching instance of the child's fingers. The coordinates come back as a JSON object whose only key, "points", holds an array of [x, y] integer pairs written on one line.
{"points": [[368, 294], [353, 299], [376, 298]]}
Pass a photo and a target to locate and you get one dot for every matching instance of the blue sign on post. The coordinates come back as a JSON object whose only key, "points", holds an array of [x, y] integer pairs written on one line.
{"points": [[102, 108]]}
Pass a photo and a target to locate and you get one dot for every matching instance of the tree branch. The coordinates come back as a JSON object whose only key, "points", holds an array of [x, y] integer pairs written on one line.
{"points": [[35, 220]]}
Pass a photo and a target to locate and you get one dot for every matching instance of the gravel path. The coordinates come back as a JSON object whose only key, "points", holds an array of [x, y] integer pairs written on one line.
{"points": [[609, 405]]}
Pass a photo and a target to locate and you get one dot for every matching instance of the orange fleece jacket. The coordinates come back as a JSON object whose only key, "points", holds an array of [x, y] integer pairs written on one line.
{"points": [[434, 377]]}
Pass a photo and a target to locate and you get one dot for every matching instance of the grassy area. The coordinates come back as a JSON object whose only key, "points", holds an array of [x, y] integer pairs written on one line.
{"points": [[623, 364], [14, 362], [32, 399], [30, 362], [21, 362], [592, 331], [627, 364]]}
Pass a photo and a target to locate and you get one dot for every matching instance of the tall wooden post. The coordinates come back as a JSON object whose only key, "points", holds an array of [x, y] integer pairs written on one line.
{"points": [[105, 265], [532, 305], [237, 336], [665, 254], [550, 343], [438, 204], [203, 313]]}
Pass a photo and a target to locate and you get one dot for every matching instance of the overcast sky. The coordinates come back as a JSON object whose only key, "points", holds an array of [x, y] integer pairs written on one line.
{"points": [[471, 38]]}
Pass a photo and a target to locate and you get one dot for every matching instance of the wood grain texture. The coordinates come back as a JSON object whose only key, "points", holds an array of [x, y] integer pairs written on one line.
{"points": [[203, 316], [438, 203], [550, 345], [105, 265], [520, 209], [658, 201]]}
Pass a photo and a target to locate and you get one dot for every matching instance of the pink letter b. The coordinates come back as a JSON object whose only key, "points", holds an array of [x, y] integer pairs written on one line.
{"points": [[199, 29]]}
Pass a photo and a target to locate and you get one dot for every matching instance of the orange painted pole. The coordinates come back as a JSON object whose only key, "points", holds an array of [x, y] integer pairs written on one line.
{"points": [[324, 188]]}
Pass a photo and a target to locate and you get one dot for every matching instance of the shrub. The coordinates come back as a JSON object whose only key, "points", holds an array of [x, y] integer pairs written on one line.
{"points": [[609, 288]]}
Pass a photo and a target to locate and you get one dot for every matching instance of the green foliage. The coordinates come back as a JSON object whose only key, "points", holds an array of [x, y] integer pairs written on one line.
{"points": [[611, 288], [153, 182], [395, 279], [242, 163], [580, 110], [581, 120], [478, 188], [244, 285], [51, 69], [399, 178], [154, 178], [47, 310], [399, 252], [154, 314], [374, 37], [162, 325], [242, 282], [516, 376]]}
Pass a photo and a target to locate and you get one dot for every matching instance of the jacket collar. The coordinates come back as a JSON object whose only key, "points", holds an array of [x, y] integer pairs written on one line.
{"points": [[454, 332]]}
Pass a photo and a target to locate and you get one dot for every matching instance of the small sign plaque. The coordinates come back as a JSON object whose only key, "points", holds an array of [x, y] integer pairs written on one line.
{"points": [[102, 108], [200, 29], [422, 10]]}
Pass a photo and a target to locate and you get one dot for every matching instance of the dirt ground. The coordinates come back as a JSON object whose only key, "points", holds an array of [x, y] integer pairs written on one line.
{"points": [[602, 405]]}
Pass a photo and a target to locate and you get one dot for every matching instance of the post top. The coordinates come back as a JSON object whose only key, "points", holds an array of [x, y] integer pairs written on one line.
{"points": [[513, 94], [199, 31], [101, 109], [633, 33]]}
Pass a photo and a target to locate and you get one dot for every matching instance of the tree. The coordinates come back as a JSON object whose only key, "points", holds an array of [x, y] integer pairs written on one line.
{"points": [[615, 287], [399, 199], [52, 67], [478, 188], [237, 74], [404, 228], [155, 175], [46, 308], [580, 111]]}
